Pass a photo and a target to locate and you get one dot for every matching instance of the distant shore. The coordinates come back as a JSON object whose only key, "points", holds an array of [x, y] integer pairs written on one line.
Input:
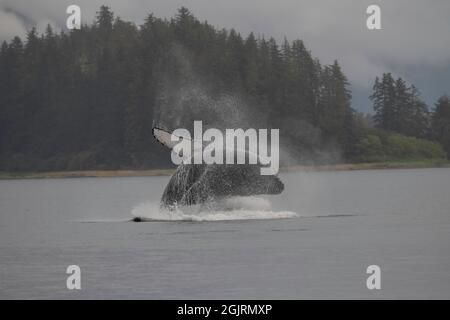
{"points": [[165, 172], [85, 174], [371, 166]]}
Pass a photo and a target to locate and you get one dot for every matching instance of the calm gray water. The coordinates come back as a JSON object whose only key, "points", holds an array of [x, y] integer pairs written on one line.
{"points": [[344, 222]]}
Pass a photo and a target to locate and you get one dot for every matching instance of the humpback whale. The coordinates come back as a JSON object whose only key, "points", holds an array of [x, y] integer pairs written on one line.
{"points": [[193, 184]]}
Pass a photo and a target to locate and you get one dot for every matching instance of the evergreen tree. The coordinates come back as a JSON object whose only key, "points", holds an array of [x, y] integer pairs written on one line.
{"points": [[384, 102], [401, 112], [419, 118], [105, 20], [398, 108], [441, 122]]}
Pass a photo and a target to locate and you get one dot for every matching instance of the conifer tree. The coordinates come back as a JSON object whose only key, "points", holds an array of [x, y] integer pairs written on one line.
{"points": [[441, 122]]}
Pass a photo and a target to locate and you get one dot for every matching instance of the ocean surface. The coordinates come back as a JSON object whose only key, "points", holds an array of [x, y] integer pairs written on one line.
{"points": [[315, 240]]}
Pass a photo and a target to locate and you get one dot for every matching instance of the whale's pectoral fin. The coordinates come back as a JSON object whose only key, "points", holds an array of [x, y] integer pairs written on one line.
{"points": [[165, 137]]}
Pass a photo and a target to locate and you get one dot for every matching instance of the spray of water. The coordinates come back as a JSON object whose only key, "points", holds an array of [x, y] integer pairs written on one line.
{"points": [[235, 208]]}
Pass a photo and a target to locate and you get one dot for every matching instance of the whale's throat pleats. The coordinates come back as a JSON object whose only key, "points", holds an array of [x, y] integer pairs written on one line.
{"points": [[180, 189]]}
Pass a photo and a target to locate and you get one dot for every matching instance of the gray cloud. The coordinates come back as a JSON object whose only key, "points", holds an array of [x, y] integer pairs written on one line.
{"points": [[414, 42]]}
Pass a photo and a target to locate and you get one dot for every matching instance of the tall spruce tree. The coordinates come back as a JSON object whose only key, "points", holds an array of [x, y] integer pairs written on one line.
{"points": [[441, 122]]}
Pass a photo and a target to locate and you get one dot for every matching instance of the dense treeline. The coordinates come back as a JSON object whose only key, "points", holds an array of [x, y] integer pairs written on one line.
{"points": [[399, 109], [87, 99]]}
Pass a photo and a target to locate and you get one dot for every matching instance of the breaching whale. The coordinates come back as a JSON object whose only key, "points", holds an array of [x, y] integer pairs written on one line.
{"points": [[199, 183]]}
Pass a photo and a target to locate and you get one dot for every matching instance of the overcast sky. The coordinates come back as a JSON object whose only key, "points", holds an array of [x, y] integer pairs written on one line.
{"points": [[414, 41]]}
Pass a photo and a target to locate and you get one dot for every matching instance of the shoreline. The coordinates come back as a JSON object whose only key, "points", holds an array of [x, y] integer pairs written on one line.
{"points": [[166, 172]]}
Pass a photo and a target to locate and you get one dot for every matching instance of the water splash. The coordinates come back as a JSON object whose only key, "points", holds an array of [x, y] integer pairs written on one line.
{"points": [[235, 208]]}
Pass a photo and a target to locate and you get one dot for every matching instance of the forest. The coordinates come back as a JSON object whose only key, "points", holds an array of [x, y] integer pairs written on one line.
{"points": [[88, 98]]}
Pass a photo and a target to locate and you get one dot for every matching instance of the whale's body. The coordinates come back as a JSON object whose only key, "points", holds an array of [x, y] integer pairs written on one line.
{"points": [[196, 184], [193, 184]]}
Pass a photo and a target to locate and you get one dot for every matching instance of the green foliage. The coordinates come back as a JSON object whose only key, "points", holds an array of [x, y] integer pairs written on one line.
{"points": [[371, 149], [378, 146], [87, 99]]}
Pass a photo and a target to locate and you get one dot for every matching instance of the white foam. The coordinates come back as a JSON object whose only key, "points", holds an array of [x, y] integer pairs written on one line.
{"points": [[236, 208]]}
